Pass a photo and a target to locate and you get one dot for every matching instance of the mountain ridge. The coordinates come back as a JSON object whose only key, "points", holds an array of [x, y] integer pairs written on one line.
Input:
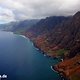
{"points": [[18, 26], [63, 40]]}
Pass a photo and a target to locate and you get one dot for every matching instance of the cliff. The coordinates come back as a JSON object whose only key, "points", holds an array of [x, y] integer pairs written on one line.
{"points": [[42, 33], [18, 26], [61, 38]]}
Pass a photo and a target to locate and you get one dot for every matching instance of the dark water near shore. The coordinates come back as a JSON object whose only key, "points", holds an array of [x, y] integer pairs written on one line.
{"points": [[20, 60]]}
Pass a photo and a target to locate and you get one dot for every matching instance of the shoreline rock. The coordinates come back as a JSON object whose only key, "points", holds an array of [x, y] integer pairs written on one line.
{"points": [[54, 68]]}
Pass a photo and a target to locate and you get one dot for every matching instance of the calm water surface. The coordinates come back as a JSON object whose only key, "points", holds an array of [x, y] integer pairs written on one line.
{"points": [[20, 60]]}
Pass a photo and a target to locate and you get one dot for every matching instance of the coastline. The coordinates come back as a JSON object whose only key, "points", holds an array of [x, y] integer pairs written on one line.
{"points": [[55, 69], [24, 36], [34, 45], [45, 55]]}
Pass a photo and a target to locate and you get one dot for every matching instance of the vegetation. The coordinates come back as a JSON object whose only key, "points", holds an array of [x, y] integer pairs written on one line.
{"points": [[61, 52]]}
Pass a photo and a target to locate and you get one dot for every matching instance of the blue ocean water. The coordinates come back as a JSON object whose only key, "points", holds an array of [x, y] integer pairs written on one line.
{"points": [[20, 60]]}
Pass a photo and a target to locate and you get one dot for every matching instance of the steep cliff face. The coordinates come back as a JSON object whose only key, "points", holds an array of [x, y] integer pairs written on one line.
{"points": [[62, 39], [70, 67], [42, 34], [46, 25], [18, 26], [24, 25], [59, 34], [66, 35]]}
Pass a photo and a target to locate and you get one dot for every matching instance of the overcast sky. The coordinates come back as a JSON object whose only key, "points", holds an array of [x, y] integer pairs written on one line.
{"points": [[11, 10]]}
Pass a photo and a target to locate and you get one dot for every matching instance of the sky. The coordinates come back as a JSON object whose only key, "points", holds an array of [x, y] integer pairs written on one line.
{"points": [[15, 10]]}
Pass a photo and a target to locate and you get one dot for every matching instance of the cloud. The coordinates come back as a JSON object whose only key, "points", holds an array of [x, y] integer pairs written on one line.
{"points": [[6, 15], [27, 9]]}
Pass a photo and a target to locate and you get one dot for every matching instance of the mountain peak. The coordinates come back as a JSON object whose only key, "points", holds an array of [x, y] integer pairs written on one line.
{"points": [[76, 17], [77, 14]]}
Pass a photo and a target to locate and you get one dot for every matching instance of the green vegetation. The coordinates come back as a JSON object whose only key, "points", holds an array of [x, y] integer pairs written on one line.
{"points": [[74, 77], [61, 52], [20, 31]]}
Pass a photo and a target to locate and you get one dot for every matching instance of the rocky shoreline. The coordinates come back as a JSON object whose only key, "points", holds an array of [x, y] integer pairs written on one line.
{"points": [[54, 68], [65, 68], [61, 41]]}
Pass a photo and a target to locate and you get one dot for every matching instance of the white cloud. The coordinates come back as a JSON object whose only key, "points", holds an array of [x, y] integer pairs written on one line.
{"points": [[25, 9], [6, 15], [11, 4]]}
